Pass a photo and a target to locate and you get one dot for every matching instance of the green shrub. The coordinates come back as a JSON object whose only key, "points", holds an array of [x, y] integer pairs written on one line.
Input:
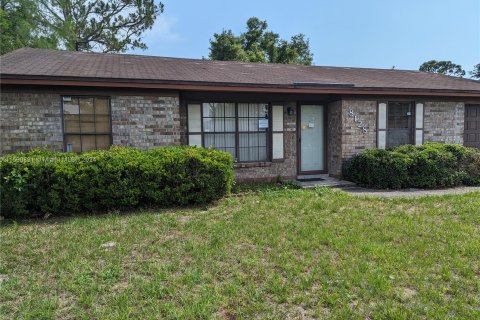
{"points": [[377, 168], [42, 182], [471, 168], [432, 165]]}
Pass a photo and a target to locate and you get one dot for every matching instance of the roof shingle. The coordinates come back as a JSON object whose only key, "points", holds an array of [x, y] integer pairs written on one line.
{"points": [[46, 63]]}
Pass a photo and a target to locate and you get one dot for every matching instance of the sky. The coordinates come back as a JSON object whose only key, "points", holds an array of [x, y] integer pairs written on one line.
{"points": [[354, 33]]}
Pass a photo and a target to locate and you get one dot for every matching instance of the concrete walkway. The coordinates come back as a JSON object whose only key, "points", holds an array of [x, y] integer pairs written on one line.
{"points": [[407, 193], [324, 180]]}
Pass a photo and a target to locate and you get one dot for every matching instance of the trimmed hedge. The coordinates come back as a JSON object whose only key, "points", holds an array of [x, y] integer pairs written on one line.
{"points": [[56, 183], [432, 165]]}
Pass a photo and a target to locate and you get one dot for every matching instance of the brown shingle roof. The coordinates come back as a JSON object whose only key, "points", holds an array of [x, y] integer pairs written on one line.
{"points": [[43, 63]]}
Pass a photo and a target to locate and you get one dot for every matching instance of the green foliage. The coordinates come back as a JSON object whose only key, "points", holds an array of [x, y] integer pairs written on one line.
{"points": [[378, 168], [475, 73], [259, 45], [19, 27], [99, 25], [443, 67], [432, 165], [48, 183], [82, 25]]}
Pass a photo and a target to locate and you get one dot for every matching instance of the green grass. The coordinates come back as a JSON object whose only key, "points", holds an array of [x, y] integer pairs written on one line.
{"points": [[271, 253]]}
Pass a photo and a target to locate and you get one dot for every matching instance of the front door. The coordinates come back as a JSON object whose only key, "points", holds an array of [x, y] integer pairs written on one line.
{"points": [[472, 126], [312, 138]]}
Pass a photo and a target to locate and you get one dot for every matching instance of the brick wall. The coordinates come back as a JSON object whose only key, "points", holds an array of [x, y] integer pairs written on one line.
{"points": [[353, 138], [345, 138], [146, 121], [29, 120], [444, 122], [287, 169], [334, 133]]}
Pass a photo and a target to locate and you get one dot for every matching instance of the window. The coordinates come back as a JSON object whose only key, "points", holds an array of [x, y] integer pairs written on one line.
{"points": [[396, 124], [252, 128], [238, 128], [86, 123], [219, 126]]}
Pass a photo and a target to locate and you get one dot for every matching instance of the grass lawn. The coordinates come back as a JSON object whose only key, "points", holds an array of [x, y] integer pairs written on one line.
{"points": [[269, 254]]}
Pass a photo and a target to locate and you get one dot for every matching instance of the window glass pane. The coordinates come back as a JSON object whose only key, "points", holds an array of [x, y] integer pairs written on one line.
{"points": [[382, 116], [72, 123], [86, 105], [90, 119], [208, 124], [73, 143], [253, 146], [398, 115], [277, 118], [71, 107], [209, 109], [209, 140], [419, 116], [219, 110], [262, 139], [277, 145], [194, 121], [382, 139], [242, 124], [195, 140], [88, 142], [262, 154], [103, 141], [219, 124], [87, 123], [229, 109], [253, 124], [102, 106], [253, 110], [230, 124], [102, 123], [223, 142], [219, 141], [243, 109], [264, 111]]}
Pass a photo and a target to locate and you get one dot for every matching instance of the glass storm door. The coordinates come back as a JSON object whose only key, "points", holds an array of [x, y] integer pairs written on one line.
{"points": [[312, 148]]}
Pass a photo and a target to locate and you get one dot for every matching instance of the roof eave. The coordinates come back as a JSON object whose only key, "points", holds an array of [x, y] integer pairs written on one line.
{"points": [[8, 79]]}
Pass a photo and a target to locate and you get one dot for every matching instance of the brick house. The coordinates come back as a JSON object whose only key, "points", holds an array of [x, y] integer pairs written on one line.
{"points": [[275, 120]]}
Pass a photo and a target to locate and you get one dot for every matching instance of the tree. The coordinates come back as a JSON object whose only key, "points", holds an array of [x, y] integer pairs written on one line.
{"points": [[443, 67], [19, 28], [98, 25], [259, 45], [82, 25], [475, 73]]}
